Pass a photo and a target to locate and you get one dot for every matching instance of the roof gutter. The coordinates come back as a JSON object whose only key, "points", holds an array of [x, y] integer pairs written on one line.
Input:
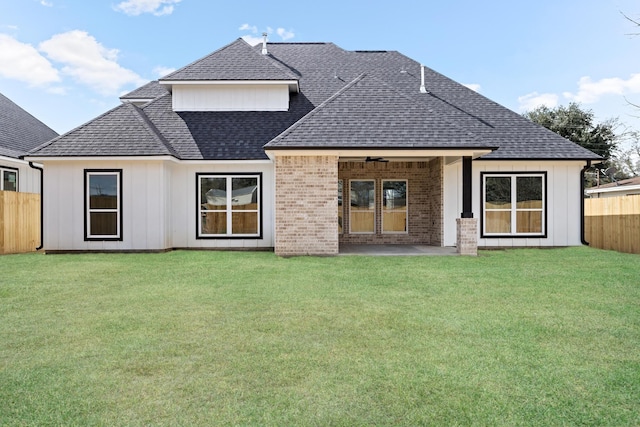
{"points": [[41, 204], [582, 222]]}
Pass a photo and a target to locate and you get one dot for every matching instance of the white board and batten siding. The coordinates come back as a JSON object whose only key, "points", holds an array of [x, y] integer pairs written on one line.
{"points": [[28, 177], [238, 97], [563, 201], [144, 201], [158, 205], [185, 203]]}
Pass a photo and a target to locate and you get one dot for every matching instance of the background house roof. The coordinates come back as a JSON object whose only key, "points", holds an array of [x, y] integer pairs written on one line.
{"points": [[623, 186], [350, 99], [19, 130]]}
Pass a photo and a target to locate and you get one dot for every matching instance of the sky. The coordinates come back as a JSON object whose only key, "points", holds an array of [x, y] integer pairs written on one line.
{"points": [[68, 61]]}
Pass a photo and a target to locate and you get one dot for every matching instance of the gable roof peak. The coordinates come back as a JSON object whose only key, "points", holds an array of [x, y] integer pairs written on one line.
{"points": [[236, 61]]}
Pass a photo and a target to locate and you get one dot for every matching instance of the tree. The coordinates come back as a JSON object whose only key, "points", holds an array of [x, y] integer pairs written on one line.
{"points": [[578, 125], [627, 161]]}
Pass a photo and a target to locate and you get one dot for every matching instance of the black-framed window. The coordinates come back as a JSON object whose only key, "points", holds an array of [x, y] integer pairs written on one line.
{"points": [[514, 204], [8, 179], [229, 205], [103, 204]]}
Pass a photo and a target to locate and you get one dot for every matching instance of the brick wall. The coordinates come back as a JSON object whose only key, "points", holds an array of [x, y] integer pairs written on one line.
{"points": [[424, 198], [467, 236], [306, 217]]}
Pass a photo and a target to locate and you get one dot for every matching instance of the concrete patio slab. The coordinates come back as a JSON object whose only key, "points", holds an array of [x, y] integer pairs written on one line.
{"points": [[396, 250]]}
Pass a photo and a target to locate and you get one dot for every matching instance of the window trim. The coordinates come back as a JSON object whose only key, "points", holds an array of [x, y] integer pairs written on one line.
{"points": [[514, 175], [87, 209], [198, 210], [9, 169], [406, 206], [351, 210]]}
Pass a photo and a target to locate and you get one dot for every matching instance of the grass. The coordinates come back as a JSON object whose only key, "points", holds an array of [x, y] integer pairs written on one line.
{"points": [[518, 337]]}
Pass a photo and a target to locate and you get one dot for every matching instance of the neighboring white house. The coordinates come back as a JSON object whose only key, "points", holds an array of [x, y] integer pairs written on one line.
{"points": [[253, 150], [624, 187], [19, 133]]}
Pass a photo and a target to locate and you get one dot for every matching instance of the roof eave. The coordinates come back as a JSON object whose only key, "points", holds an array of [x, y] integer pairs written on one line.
{"points": [[294, 85], [387, 152]]}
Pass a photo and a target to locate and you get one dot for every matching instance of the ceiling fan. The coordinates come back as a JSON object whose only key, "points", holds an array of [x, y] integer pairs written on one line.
{"points": [[375, 159]]}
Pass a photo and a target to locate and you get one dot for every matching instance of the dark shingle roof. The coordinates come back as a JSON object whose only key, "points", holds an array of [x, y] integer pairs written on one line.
{"points": [[347, 99], [19, 130], [150, 91], [236, 61], [368, 113], [122, 131]]}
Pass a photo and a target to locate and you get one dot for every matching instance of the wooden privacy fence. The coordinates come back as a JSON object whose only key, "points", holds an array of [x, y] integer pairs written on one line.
{"points": [[613, 223], [19, 222]]}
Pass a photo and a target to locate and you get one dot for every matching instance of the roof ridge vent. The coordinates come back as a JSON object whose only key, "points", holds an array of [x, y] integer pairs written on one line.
{"points": [[264, 44]]}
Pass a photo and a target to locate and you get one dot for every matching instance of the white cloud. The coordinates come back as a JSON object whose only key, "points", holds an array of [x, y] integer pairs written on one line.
{"points": [[161, 71], [57, 90], [533, 100], [590, 92], [252, 40], [46, 3], [247, 27], [284, 34], [88, 62], [473, 86], [21, 61], [138, 7]]}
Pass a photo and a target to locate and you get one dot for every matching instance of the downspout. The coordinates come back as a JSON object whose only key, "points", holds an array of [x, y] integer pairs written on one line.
{"points": [[41, 204], [582, 174]]}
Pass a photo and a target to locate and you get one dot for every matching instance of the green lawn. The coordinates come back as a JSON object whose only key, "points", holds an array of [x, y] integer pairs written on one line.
{"points": [[518, 337]]}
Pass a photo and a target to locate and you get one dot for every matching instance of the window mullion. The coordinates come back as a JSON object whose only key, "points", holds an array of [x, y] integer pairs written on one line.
{"points": [[514, 203]]}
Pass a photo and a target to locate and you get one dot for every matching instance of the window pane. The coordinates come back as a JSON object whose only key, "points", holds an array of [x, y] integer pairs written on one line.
{"points": [[394, 195], [362, 222], [529, 221], [213, 193], [103, 191], [244, 223], [213, 223], [394, 206], [498, 192], [104, 223], [529, 192], [340, 209], [497, 222], [362, 195], [244, 194], [394, 221], [10, 181]]}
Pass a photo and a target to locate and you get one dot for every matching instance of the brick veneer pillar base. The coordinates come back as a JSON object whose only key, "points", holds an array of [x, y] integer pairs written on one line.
{"points": [[467, 236]]}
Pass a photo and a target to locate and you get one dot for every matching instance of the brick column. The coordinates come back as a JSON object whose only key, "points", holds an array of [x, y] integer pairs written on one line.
{"points": [[467, 236], [306, 217]]}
